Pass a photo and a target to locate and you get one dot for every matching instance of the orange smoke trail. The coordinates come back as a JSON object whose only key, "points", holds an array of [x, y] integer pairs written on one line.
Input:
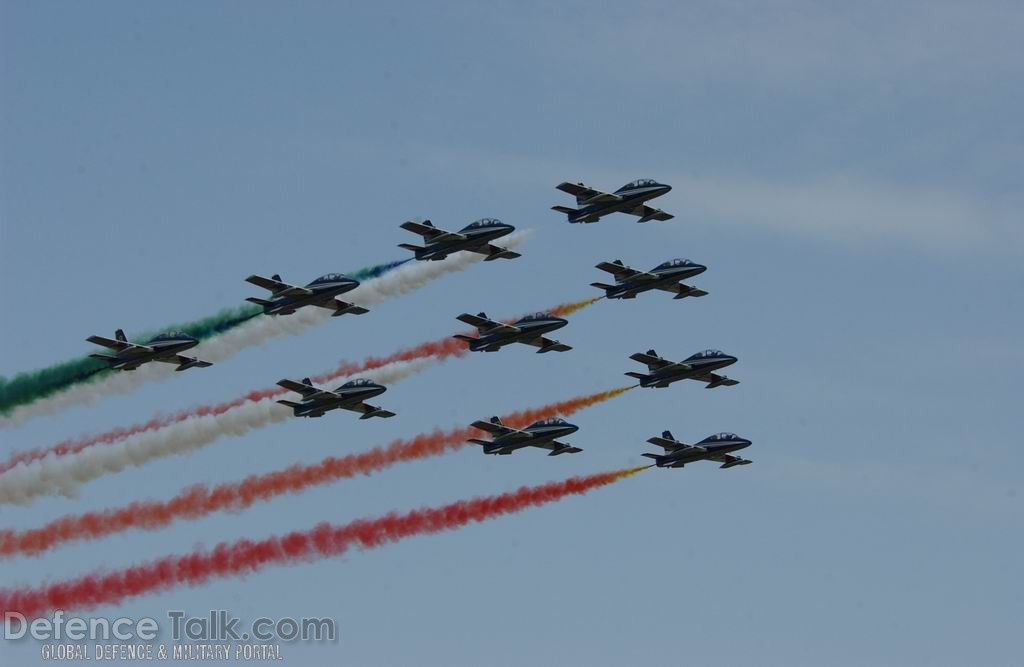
{"points": [[564, 309], [201, 500], [323, 541]]}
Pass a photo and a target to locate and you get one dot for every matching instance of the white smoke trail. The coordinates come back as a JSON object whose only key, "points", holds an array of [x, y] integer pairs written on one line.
{"points": [[63, 475], [259, 330]]}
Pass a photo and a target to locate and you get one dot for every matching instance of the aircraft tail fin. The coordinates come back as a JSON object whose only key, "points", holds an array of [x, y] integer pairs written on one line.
{"points": [[103, 357], [564, 209], [658, 458], [638, 376], [496, 420], [119, 334], [604, 286], [411, 246], [468, 339], [258, 301]]}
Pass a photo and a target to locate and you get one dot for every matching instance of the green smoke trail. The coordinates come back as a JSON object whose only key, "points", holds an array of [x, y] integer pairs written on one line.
{"points": [[31, 386]]}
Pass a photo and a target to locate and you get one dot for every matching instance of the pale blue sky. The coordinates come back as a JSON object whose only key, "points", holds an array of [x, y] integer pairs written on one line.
{"points": [[851, 177]]}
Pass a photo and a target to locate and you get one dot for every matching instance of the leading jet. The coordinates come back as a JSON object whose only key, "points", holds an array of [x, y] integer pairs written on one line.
{"points": [[713, 448], [595, 204], [543, 434], [285, 299], [474, 237], [666, 277], [663, 372], [349, 396], [164, 348], [528, 330]]}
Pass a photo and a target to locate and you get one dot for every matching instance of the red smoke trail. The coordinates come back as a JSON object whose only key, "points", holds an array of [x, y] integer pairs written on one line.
{"points": [[442, 350], [201, 500], [323, 541]]}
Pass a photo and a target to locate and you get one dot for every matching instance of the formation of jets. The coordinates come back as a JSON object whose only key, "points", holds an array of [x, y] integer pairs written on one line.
{"points": [[349, 396], [285, 299], [528, 330], [595, 204], [478, 237], [163, 348], [666, 277]]}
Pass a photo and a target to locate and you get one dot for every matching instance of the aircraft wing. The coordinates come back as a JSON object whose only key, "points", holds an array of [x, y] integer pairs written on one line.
{"points": [[622, 272], [431, 233], [682, 289], [587, 195], [716, 380], [668, 445], [486, 324], [648, 213], [728, 460], [184, 362], [304, 389], [494, 251], [547, 345], [368, 410], [118, 345], [652, 362], [556, 447], [495, 429], [342, 307], [277, 287]]}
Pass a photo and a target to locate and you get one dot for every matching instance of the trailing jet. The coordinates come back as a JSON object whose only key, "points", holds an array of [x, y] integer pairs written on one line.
{"points": [[595, 204], [164, 348], [474, 237], [543, 434], [713, 448], [349, 396], [666, 277], [285, 299], [698, 367], [529, 330]]}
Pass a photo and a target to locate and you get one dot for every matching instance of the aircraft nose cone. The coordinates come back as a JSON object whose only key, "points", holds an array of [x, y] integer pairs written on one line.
{"points": [[744, 443], [666, 188]]}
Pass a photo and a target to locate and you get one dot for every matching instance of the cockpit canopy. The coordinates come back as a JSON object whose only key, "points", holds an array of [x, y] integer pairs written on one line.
{"points": [[358, 382], [674, 262], [171, 335], [724, 436], [537, 316], [551, 421], [484, 222], [638, 183], [707, 354], [330, 278]]}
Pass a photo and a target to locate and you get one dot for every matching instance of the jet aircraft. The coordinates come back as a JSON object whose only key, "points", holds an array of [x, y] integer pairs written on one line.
{"points": [[349, 396], [474, 237], [543, 434], [713, 448], [285, 299], [164, 348], [666, 276], [697, 366], [528, 330], [595, 204]]}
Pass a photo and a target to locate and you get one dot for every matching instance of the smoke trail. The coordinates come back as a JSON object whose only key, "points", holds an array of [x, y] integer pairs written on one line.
{"points": [[201, 500], [439, 351], [324, 541], [64, 475], [387, 280]]}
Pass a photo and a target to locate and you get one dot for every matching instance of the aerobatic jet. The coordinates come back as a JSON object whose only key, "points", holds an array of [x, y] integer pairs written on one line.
{"points": [[543, 434], [666, 277], [663, 372], [595, 204], [285, 299], [164, 348], [349, 396], [529, 330], [713, 448], [474, 237]]}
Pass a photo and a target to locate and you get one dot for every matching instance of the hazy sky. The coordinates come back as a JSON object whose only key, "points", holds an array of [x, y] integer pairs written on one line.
{"points": [[851, 176]]}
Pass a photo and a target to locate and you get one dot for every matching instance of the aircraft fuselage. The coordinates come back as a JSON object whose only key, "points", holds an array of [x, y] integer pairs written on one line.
{"points": [[703, 450], [527, 331], [630, 200], [698, 367], [629, 288], [322, 293], [350, 396], [542, 434], [475, 238]]}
